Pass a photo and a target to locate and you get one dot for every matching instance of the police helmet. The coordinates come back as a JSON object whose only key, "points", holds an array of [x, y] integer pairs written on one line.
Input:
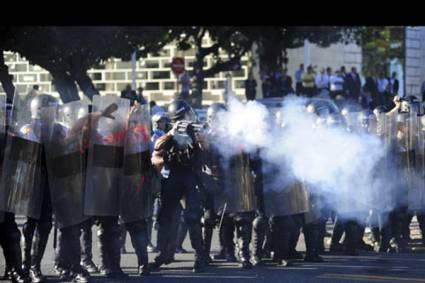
{"points": [[213, 110], [180, 110]]}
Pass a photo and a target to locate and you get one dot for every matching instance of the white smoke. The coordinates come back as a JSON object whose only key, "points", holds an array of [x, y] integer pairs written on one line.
{"points": [[334, 163], [243, 126]]}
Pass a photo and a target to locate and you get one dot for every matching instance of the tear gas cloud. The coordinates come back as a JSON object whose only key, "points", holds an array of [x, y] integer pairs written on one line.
{"points": [[333, 162]]}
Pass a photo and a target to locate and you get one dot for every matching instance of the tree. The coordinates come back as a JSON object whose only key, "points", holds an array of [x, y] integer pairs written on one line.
{"points": [[68, 52], [380, 45], [233, 40], [272, 42]]}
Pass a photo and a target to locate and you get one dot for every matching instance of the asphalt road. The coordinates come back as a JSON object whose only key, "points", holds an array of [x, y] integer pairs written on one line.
{"points": [[368, 267]]}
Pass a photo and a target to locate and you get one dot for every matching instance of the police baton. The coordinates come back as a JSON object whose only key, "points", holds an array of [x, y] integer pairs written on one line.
{"points": [[55, 236], [222, 217]]}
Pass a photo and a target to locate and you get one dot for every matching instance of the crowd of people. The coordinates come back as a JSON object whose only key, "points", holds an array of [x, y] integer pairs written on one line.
{"points": [[376, 90]]}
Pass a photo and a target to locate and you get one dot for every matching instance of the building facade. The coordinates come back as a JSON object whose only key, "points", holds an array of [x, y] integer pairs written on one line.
{"points": [[415, 60], [155, 75]]}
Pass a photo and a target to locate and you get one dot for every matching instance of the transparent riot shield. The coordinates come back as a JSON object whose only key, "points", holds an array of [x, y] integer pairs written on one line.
{"points": [[24, 179], [105, 155], [239, 191], [65, 159], [136, 198], [416, 195]]}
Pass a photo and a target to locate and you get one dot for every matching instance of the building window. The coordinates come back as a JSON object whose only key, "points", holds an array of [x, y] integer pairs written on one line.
{"points": [[151, 64], [22, 88], [166, 64], [139, 75], [122, 86], [27, 78], [239, 73], [217, 84], [152, 86], [239, 84], [110, 87], [115, 76], [18, 68], [169, 85], [100, 87], [95, 76], [45, 78], [160, 75], [123, 65], [34, 68]]}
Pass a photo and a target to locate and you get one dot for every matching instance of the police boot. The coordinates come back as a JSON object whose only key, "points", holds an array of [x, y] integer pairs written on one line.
{"points": [[138, 236], [163, 243], [397, 243], [268, 245], [281, 238], [226, 236], [40, 243], [336, 237], [351, 238], [312, 235], [103, 251], [376, 238], [384, 244], [322, 229], [405, 234], [295, 235], [115, 253], [16, 276], [12, 250], [259, 226], [28, 235], [207, 237], [13, 257], [195, 234], [181, 235], [244, 227], [86, 248]]}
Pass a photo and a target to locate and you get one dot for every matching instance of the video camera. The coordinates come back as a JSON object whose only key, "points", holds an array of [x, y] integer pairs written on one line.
{"points": [[184, 125]]}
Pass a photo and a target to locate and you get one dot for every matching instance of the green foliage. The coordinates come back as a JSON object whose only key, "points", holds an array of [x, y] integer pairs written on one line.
{"points": [[380, 45]]}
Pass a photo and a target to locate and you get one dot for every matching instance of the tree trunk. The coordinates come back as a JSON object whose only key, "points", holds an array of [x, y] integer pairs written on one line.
{"points": [[66, 86], [85, 83], [6, 79]]}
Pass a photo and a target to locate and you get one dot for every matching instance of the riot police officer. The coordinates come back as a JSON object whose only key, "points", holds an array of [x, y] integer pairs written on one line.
{"points": [[9, 232], [237, 202], [66, 170], [180, 153], [104, 134], [29, 194]]}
